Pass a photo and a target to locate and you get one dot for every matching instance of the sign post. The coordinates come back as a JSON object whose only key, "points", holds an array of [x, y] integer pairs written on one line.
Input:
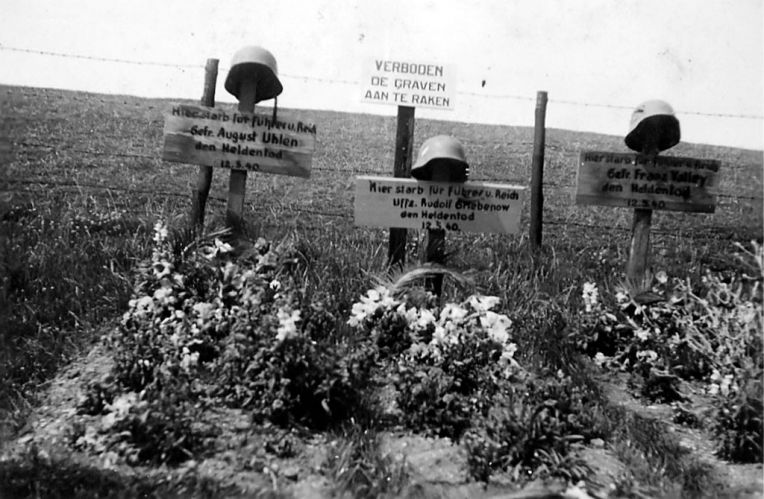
{"points": [[435, 243], [407, 85], [404, 144], [241, 141], [237, 182], [204, 176], [639, 251], [646, 181], [438, 207]]}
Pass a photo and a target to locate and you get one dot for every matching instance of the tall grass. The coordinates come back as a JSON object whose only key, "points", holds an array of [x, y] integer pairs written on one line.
{"points": [[65, 267]]}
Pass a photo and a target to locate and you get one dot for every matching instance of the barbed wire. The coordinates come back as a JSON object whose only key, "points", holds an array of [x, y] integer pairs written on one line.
{"points": [[97, 58], [356, 82], [298, 209], [547, 184]]}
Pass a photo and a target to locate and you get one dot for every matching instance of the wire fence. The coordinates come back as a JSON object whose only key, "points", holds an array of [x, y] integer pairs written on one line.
{"points": [[567, 224], [33, 185], [356, 82], [349, 171]]}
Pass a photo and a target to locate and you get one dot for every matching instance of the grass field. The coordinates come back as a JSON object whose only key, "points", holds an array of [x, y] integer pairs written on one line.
{"points": [[83, 184]]}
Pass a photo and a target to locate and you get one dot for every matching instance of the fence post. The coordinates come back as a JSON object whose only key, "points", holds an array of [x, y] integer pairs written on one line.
{"points": [[537, 171], [204, 178], [404, 145]]}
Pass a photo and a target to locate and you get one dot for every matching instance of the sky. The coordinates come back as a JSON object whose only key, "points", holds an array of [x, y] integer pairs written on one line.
{"points": [[596, 59]]}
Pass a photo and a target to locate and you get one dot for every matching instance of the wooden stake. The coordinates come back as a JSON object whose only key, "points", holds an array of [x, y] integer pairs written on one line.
{"points": [[435, 243], [204, 177], [639, 251], [404, 144], [537, 172], [237, 183]]}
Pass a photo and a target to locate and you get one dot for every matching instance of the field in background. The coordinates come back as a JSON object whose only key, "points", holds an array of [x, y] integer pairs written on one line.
{"points": [[109, 147]]}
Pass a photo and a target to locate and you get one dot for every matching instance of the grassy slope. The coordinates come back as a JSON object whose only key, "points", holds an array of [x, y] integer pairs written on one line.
{"points": [[103, 153], [120, 126]]}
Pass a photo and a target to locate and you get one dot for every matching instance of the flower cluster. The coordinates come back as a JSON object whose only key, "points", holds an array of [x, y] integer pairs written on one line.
{"points": [[590, 296], [287, 324], [430, 333]]}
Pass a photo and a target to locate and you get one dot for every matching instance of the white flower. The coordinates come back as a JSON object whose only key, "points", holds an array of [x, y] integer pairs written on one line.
{"points": [[621, 297], [426, 317], [287, 324], [189, 360], [508, 352], [746, 313], [358, 314], [142, 306], [164, 296], [438, 336], [726, 384], [203, 310], [122, 404], [452, 312], [162, 268], [219, 248], [674, 340], [496, 325], [411, 315], [386, 299], [160, 232], [661, 277], [371, 295], [483, 303], [375, 299], [600, 359], [642, 334], [590, 296], [275, 285], [649, 355]]}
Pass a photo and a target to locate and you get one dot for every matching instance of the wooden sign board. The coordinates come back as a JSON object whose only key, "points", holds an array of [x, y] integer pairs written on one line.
{"points": [[625, 179], [411, 204], [240, 141], [406, 83]]}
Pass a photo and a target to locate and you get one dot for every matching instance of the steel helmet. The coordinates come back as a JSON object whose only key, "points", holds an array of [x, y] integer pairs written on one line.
{"points": [[258, 64], [441, 152], [653, 121]]}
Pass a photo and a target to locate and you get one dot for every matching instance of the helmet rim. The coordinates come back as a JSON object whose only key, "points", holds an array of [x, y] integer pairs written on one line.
{"points": [[256, 63], [653, 123], [441, 152]]}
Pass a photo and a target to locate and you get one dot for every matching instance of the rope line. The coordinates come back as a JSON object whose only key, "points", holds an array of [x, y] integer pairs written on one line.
{"points": [[354, 82]]}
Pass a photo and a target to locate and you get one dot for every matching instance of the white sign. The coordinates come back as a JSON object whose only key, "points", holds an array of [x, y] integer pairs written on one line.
{"points": [[411, 204], [628, 180], [240, 141], [407, 83]]}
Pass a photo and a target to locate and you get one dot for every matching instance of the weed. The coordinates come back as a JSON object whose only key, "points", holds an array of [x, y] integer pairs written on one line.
{"points": [[357, 467]]}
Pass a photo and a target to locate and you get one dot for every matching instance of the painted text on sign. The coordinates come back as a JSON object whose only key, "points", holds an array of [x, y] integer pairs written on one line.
{"points": [[245, 141], [411, 204], [630, 180]]}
